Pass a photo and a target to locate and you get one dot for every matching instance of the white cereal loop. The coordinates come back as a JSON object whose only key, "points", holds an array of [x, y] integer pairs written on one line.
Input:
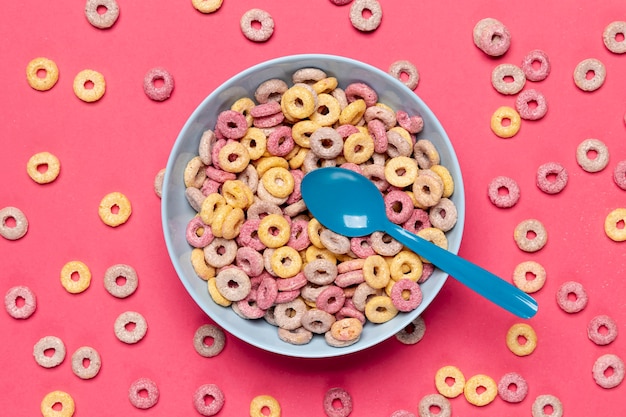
{"points": [[263, 18], [209, 340], [398, 68], [158, 182], [86, 362], [530, 235], [130, 327], [608, 371], [13, 223], [121, 280], [358, 12], [49, 343], [102, 20], [613, 37], [589, 74], [500, 79], [542, 402], [598, 149]]}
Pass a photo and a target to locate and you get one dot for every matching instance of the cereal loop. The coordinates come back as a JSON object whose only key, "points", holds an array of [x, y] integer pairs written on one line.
{"points": [[614, 225], [608, 371], [209, 340], [530, 235], [88, 356], [450, 373], [263, 18], [102, 20], [500, 79], [114, 209], [602, 330], [158, 84], [89, 85], [264, 402], [136, 393], [529, 276], [477, 383], [121, 280], [47, 68], [512, 387], [552, 177], [43, 167], [130, 327], [592, 155], [358, 13], [528, 65], [438, 401], [337, 403], [572, 297], [584, 68], [505, 122], [13, 223], [215, 398], [20, 302], [75, 277], [521, 339], [53, 398], [531, 104], [613, 37], [544, 402], [45, 345], [619, 174], [207, 6], [403, 68], [492, 37]]}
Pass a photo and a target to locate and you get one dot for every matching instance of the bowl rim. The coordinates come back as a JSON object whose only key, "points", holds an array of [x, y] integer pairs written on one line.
{"points": [[224, 86]]}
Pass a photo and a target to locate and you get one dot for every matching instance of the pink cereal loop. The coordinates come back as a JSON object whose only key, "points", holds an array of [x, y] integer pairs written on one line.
{"points": [[198, 240], [280, 142], [350, 312], [10, 302], [427, 271], [351, 265], [397, 297], [398, 206], [249, 260], [296, 194], [363, 91], [231, 124], [248, 235], [532, 73], [330, 299], [412, 124], [265, 109], [215, 152], [619, 174], [287, 296], [362, 246], [346, 130], [419, 220], [219, 175], [267, 292], [292, 284], [299, 238], [352, 167], [376, 129], [347, 279]]}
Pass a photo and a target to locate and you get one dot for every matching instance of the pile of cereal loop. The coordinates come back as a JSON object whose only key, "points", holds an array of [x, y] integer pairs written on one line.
{"points": [[256, 245]]}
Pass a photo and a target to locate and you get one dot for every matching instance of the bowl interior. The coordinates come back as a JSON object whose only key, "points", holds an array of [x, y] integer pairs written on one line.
{"points": [[176, 211]]}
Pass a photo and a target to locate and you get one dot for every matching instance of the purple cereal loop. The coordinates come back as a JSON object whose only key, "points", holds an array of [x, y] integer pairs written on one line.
{"points": [[412, 124], [162, 92], [250, 261], [399, 206], [143, 385], [350, 278], [397, 145], [219, 175], [192, 236], [419, 220], [532, 73], [443, 215], [206, 144], [544, 174], [564, 301], [524, 108], [397, 297], [16, 309], [16, 231], [280, 142], [270, 90], [267, 292], [385, 115], [363, 91], [376, 129], [340, 395], [376, 174], [600, 367], [265, 20], [362, 246], [292, 284], [317, 321], [619, 174], [507, 199], [326, 143], [331, 299], [216, 403], [248, 235], [518, 393], [231, 124], [595, 330]]}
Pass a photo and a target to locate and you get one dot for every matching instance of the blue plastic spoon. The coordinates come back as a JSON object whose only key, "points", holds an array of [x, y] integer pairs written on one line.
{"points": [[350, 204]]}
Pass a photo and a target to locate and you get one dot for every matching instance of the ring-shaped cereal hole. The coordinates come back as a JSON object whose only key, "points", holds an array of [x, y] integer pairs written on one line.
{"points": [[592, 155], [492, 37], [121, 280], [614, 37], [619, 174], [505, 122], [503, 191], [512, 387], [130, 327], [449, 381], [480, 390], [209, 340], [552, 177], [42, 349], [608, 371], [337, 402], [406, 72], [547, 405], [143, 393], [13, 223], [20, 302], [508, 79], [114, 209], [615, 225], [102, 14], [86, 362], [208, 399], [158, 84], [264, 406], [531, 104], [529, 276], [530, 235], [89, 85], [75, 277], [55, 399], [42, 73], [257, 25], [434, 405], [602, 330], [207, 6], [366, 15], [521, 339], [536, 65], [589, 74]]}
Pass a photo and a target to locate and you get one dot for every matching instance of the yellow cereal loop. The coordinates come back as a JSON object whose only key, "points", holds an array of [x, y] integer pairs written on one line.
{"points": [[450, 381], [232, 223], [404, 133], [233, 157], [255, 142], [401, 171], [89, 85], [521, 339], [297, 160], [57, 397], [237, 194], [358, 147], [274, 231], [195, 173], [380, 309], [302, 131], [75, 277], [298, 102], [217, 297], [264, 402], [48, 70], [286, 262], [268, 162], [480, 390], [433, 235], [114, 209], [219, 218], [385, 106], [244, 104], [206, 6], [614, 225], [43, 167], [312, 253], [327, 112], [376, 271], [406, 265], [278, 182], [314, 229], [505, 122], [200, 267], [325, 85], [210, 204], [446, 178], [353, 112]]}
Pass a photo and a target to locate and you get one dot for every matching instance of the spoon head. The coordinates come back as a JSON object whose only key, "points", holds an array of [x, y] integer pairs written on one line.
{"points": [[344, 201]]}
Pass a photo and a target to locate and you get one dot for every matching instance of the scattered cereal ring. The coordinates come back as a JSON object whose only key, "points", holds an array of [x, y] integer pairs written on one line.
{"points": [[602, 330], [613, 37], [121, 280], [362, 23], [102, 20], [413, 332], [206, 6], [402, 68], [492, 37], [601, 367], [114, 209], [530, 235], [532, 73], [521, 339], [43, 167], [577, 291], [545, 175], [53, 398], [46, 67], [13, 223], [130, 327], [211, 348], [512, 387], [500, 79], [434, 401], [593, 67], [45, 344], [160, 92], [505, 122], [545, 401], [214, 405], [86, 355], [136, 393], [267, 402], [524, 107], [250, 31], [619, 174], [503, 192], [614, 225], [473, 390], [89, 85], [335, 396], [450, 373], [78, 270], [537, 275], [592, 155], [20, 302]]}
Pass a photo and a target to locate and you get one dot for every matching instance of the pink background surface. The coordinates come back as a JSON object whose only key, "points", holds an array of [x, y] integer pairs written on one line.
{"points": [[120, 142]]}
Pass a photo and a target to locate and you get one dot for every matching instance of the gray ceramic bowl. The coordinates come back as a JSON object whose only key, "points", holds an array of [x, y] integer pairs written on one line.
{"points": [[176, 211]]}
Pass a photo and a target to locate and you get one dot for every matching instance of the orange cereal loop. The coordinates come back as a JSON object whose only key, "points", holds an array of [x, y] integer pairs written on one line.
{"points": [[450, 381], [274, 231], [615, 225], [353, 112], [232, 223], [234, 157], [376, 271], [114, 209], [521, 339], [42, 74], [262, 403], [43, 167], [206, 6], [89, 85], [237, 194], [75, 277], [480, 390], [406, 265], [53, 398], [358, 147], [505, 122]]}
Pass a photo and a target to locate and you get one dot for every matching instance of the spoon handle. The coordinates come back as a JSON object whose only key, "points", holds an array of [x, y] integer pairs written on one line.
{"points": [[473, 276]]}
